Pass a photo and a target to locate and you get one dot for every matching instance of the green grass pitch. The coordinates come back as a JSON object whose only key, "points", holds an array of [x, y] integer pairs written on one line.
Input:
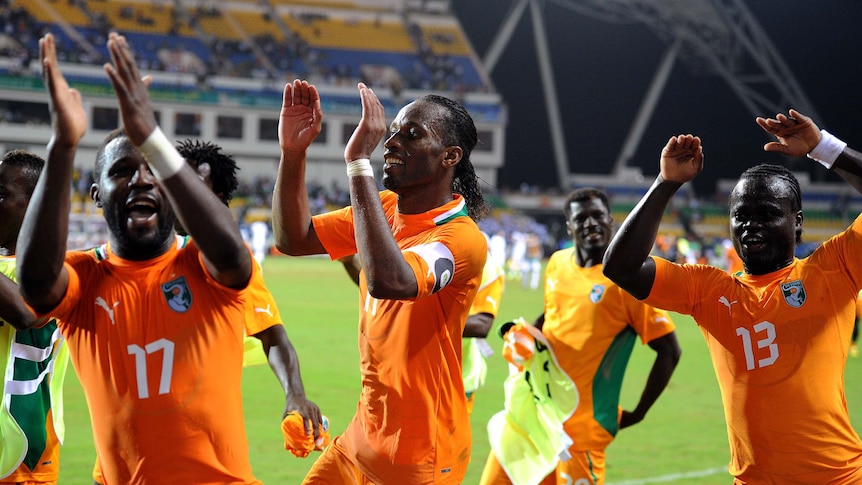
{"points": [[683, 433]]}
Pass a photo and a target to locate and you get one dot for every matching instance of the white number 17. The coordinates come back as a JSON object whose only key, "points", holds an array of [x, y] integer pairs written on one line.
{"points": [[141, 365]]}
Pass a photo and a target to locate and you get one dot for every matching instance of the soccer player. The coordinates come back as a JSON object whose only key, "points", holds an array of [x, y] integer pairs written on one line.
{"points": [[264, 327], [778, 334], [422, 257], [33, 357], [154, 321], [591, 325], [266, 339], [483, 311]]}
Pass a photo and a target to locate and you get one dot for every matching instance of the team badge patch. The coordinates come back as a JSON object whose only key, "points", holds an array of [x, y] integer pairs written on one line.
{"points": [[443, 269], [178, 295], [794, 293], [597, 293]]}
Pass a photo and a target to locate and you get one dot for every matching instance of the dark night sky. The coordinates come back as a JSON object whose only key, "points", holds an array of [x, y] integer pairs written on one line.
{"points": [[602, 72]]}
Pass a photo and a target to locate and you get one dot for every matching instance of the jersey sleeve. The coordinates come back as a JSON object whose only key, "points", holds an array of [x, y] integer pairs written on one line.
{"points": [[73, 290], [454, 253], [842, 253], [261, 312], [679, 287], [488, 298], [335, 231], [649, 322]]}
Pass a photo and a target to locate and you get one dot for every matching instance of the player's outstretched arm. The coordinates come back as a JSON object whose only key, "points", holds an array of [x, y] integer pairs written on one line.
{"points": [[284, 363], [387, 274], [202, 214], [299, 124], [627, 261], [41, 246], [797, 136]]}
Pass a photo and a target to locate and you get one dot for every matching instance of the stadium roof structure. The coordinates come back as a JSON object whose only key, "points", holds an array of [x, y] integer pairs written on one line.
{"points": [[710, 37]]}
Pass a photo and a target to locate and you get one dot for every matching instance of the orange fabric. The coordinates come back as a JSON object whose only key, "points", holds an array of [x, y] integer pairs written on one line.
{"points": [[489, 295], [518, 345], [586, 315], [155, 344], [261, 310], [335, 466], [471, 402], [297, 442], [779, 343], [411, 424]]}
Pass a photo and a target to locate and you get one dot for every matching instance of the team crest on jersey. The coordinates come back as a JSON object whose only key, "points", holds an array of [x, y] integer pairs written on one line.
{"points": [[178, 295], [794, 293], [597, 293]]}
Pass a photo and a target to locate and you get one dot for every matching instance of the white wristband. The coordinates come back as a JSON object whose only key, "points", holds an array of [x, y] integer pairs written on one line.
{"points": [[162, 157], [360, 168], [828, 150]]}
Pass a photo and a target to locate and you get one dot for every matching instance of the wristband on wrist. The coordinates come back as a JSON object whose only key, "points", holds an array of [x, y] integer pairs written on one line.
{"points": [[828, 150], [162, 157], [360, 168]]}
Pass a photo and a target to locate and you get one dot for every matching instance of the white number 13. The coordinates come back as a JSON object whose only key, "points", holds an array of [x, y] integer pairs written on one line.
{"points": [[141, 365], [768, 341]]}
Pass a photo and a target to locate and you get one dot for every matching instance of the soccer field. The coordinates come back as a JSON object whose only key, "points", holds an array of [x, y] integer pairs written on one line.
{"points": [[682, 440]]}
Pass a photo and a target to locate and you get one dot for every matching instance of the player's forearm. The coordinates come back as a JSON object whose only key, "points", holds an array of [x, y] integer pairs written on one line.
{"points": [[628, 251], [849, 167], [282, 359], [291, 214], [41, 247], [387, 274], [478, 325]]}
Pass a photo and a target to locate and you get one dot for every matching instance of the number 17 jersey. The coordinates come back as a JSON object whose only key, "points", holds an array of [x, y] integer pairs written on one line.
{"points": [[157, 345]]}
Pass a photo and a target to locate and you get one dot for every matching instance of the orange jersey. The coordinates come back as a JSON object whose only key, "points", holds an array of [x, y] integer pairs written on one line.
{"points": [[779, 343], [490, 290], [157, 345], [592, 325], [261, 310], [411, 424]]}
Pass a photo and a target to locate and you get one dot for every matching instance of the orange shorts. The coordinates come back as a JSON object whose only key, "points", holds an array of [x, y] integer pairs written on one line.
{"points": [[334, 467], [583, 468]]}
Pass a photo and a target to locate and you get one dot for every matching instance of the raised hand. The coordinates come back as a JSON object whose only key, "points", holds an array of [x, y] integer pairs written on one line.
{"points": [[132, 91], [301, 117], [681, 158], [68, 117], [371, 129], [797, 134]]}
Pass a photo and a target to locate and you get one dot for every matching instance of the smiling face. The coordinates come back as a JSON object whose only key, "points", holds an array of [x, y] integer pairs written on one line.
{"points": [[589, 222], [415, 154], [136, 211], [764, 223]]}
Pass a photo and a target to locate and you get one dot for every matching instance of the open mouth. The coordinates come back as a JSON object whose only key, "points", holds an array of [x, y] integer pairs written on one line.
{"points": [[391, 161], [141, 211], [753, 243]]}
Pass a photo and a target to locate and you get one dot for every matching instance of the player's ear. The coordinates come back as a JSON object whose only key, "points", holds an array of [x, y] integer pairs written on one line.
{"points": [[96, 195], [452, 155]]}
